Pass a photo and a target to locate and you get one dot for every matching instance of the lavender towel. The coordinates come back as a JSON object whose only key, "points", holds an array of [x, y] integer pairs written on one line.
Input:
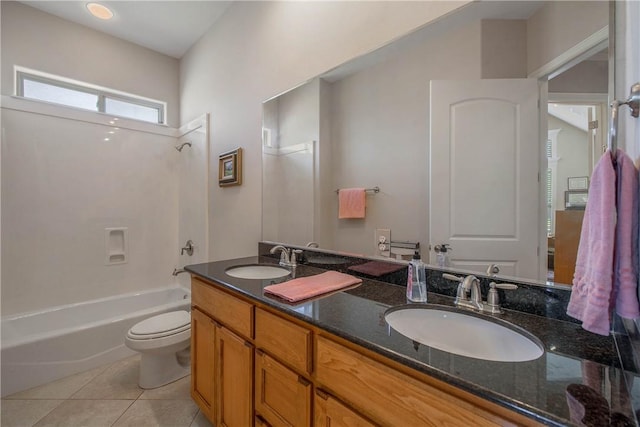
{"points": [[593, 278], [606, 275], [625, 284]]}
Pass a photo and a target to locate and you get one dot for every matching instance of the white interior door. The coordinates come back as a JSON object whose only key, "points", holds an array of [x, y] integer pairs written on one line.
{"points": [[484, 186]]}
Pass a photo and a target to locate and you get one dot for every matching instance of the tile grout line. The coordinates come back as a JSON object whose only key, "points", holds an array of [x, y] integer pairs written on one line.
{"points": [[52, 409], [123, 412]]}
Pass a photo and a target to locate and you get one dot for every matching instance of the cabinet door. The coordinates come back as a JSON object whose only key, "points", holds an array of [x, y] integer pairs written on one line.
{"points": [[234, 386], [203, 332], [330, 412], [283, 398]]}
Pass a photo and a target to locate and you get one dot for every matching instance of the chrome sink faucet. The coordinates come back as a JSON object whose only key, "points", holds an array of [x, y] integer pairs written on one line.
{"points": [[288, 257], [467, 284], [472, 283]]}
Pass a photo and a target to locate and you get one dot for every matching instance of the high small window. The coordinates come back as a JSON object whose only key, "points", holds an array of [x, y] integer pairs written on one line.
{"points": [[43, 87]]}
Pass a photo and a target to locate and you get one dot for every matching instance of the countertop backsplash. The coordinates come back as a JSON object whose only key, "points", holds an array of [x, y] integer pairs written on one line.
{"points": [[547, 301]]}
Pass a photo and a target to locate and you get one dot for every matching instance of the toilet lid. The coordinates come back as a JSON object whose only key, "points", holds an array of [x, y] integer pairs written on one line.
{"points": [[162, 324]]}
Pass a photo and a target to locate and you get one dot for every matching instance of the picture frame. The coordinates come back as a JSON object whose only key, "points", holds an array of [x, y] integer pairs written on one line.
{"points": [[576, 199], [577, 183], [230, 168]]}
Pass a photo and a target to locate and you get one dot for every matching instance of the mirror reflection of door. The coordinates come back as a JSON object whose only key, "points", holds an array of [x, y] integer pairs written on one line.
{"points": [[484, 192], [576, 123]]}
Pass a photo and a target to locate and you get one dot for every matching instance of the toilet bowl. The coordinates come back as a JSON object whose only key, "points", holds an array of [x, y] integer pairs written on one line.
{"points": [[163, 342]]}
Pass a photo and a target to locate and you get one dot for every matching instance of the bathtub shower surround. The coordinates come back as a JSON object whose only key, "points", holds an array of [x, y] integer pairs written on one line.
{"points": [[70, 180], [43, 346], [94, 208]]}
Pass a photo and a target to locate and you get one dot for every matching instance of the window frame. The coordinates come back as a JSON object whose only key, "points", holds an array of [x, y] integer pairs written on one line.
{"points": [[22, 74]]}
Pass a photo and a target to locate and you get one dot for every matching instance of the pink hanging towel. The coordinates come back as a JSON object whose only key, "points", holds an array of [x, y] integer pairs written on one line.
{"points": [[625, 284], [591, 295], [351, 203]]}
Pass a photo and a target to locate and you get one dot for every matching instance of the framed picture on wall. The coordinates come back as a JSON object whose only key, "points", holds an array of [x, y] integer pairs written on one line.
{"points": [[230, 168], [578, 183], [576, 199]]}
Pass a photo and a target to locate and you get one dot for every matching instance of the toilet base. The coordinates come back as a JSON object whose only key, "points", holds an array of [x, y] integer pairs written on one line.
{"points": [[157, 370]]}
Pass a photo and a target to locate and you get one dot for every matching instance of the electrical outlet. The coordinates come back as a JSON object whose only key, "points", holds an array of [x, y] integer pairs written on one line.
{"points": [[382, 242]]}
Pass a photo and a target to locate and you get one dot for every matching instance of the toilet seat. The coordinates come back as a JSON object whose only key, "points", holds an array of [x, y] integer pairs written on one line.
{"points": [[160, 326]]}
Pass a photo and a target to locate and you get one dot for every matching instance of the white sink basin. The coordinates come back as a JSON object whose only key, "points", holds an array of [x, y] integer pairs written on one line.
{"points": [[464, 334], [257, 271]]}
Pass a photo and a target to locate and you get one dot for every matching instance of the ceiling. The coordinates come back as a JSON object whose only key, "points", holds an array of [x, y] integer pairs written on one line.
{"points": [[169, 27]]}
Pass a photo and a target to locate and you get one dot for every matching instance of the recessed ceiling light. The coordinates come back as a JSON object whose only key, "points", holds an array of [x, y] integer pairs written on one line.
{"points": [[99, 11]]}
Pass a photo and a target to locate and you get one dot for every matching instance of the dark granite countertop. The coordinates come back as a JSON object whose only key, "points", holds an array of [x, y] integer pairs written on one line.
{"points": [[579, 380]]}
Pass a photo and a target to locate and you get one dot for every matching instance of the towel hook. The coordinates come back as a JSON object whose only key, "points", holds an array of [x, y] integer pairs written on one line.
{"points": [[634, 104]]}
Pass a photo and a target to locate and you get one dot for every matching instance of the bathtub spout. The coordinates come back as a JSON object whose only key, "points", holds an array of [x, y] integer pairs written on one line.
{"points": [[178, 271]]}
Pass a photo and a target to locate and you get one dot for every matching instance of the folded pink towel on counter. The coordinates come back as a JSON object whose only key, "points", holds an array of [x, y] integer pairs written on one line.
{"points": [[625, 284], [311, 286], [591, 294], [377, 268], [351, 203]]}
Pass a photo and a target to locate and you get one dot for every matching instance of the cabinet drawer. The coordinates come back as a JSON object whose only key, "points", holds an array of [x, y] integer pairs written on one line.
{"points": [[284, 339], [282, 397], [234, 313], [389, 397], [330, 412]]}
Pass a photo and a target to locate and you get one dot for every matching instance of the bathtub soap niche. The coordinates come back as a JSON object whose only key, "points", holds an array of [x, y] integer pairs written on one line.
{"points": [[116, 247]]}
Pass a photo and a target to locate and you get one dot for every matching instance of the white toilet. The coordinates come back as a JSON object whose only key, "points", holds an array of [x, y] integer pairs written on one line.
{"points": [[163, 341]]}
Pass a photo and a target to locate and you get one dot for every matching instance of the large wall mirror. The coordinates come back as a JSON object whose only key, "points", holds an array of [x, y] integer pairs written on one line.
{"points": [[434, 121]]}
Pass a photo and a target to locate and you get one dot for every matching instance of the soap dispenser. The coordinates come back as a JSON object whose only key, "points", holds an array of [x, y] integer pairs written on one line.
{"points": [[417, 279], [442, 255]]}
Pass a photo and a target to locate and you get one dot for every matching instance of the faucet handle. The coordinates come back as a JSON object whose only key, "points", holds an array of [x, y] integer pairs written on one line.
{"points": [[493, 299], [294, 256], [503, 285]]}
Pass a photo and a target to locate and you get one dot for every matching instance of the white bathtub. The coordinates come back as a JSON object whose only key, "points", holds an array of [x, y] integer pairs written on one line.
{"points": [[39, 347]]}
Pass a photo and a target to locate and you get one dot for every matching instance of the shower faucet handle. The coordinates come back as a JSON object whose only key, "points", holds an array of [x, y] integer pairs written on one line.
{"points": [[188, 248]]}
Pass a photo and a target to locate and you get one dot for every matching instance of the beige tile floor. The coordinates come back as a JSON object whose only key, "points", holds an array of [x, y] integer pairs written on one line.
{"points": [[106, 396]]}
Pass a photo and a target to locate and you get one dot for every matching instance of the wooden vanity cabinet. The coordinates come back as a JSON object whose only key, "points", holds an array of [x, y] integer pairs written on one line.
{"points": [[221, 359], [266, 368]]}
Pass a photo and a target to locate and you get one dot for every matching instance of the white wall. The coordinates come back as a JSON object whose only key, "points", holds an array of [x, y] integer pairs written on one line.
{"points": [[559, 26], [380, 137], [498, 37], [37, 40], [62, 185], [573, 153], [260, 49], [585, 77]]}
